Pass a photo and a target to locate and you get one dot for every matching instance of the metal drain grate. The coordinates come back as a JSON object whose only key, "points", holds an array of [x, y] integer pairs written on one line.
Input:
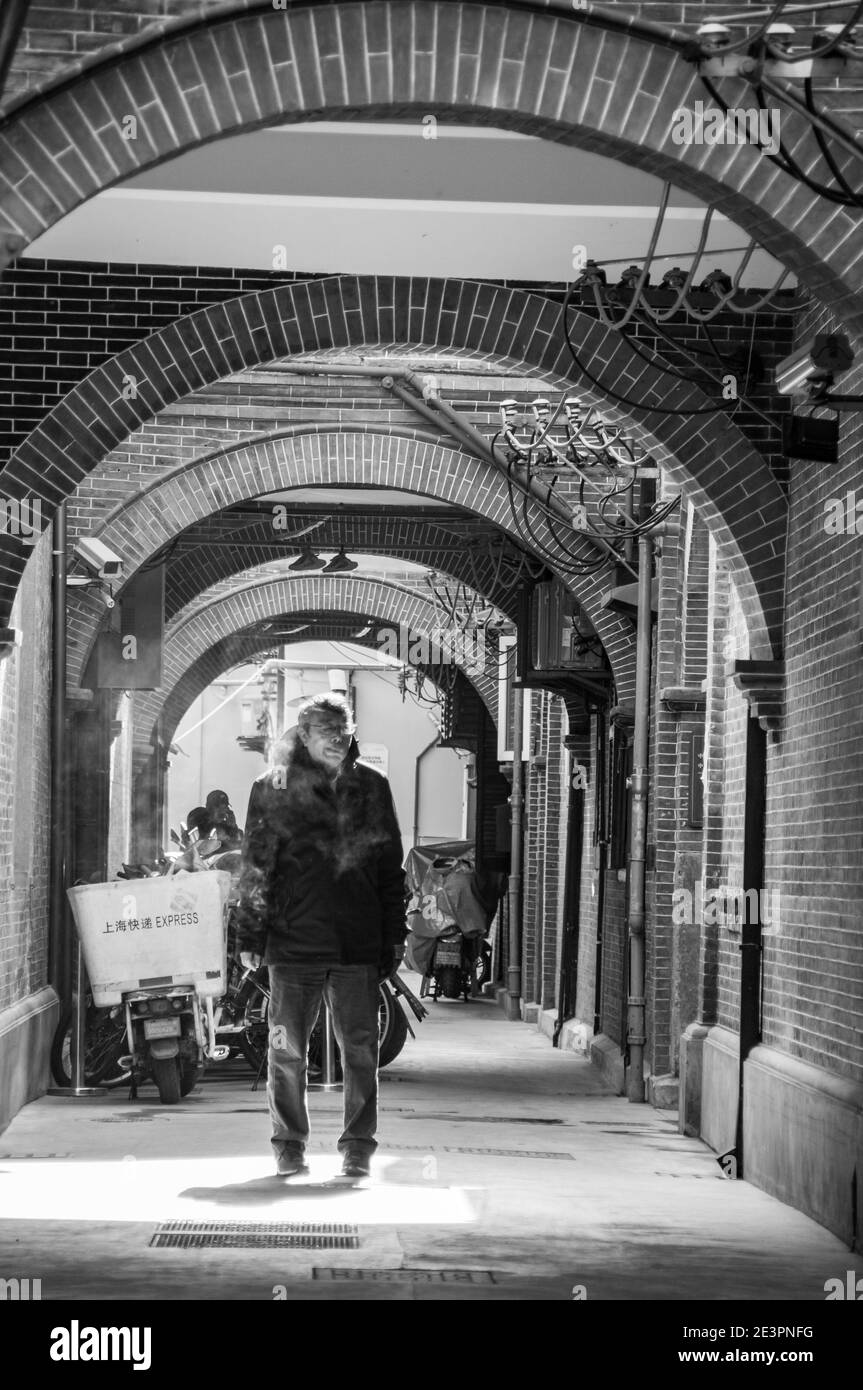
{"points": [[493, 1153], [485, 1119], [255, 1235], [409, 1276], [28, 1155]]}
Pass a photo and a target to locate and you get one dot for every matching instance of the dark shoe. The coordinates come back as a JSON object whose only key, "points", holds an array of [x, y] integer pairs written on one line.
{"points": [[357, 1164], [290, 1162]]}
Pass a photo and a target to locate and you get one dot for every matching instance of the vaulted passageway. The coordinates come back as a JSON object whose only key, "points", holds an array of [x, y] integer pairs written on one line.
{"points": [[576, 542]]}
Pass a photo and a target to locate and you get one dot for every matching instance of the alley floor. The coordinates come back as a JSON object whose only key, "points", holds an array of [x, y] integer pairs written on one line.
{"points": [[506, 1170]]}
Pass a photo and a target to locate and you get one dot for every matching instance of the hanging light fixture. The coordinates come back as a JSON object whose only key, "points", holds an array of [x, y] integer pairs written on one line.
{"points": [[340, 563], [308, 560]]}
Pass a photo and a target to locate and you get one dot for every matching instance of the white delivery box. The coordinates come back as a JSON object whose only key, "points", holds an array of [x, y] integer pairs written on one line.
{"points": [[144, 932]]}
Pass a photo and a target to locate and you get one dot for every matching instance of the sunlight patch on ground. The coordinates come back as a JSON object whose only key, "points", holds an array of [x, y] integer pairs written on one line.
{"points": [[220, 1189]]}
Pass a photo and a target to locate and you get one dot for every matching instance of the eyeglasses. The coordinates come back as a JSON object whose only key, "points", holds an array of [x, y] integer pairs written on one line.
{"points": [[329, 730]]}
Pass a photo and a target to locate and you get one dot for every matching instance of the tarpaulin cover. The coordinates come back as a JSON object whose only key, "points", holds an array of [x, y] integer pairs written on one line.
{"points": [[444, 893]]}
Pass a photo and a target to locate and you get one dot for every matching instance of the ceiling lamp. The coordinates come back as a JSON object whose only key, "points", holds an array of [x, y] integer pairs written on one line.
{"points": [[339, 564], [308, 560]]}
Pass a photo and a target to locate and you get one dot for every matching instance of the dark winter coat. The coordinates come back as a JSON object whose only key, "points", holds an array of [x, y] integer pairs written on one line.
{"points": [[322, 875]]}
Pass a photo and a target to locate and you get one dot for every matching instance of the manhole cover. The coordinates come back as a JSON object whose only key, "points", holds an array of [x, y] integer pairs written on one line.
{"points": [[486, 1119], [255, 1235], [493, 1153], [18, 1156], [409, 1276]]}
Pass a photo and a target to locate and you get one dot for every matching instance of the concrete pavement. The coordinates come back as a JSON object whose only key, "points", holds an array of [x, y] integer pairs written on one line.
{"points": [[506, 1170]]}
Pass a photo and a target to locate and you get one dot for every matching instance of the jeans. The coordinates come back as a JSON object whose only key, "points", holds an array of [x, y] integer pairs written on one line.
{"points": [[352, 993]]}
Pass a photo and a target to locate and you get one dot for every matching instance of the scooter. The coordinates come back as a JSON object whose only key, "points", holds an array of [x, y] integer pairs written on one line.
{"points": [[242, 1020], [169, 1036], [168, 1033], [459, 967]]}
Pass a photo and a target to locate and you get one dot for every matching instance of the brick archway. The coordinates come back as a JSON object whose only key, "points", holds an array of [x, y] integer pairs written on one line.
{"points": [[524, 67], [416, 540], [707, 456], [195, 632], [333, 457], [213, 664]]}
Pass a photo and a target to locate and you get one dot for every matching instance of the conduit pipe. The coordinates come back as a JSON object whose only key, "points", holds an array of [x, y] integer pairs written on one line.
{"points": [[513, 974], [428, 404], [638, 828], [59, 962]]}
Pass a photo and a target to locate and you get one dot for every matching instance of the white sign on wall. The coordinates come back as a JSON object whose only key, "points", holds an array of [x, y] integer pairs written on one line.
{"points": [[376, 755]]}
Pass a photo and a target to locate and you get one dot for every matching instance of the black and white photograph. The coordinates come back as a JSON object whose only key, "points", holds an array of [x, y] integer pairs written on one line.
{"points": [[431, 673]]}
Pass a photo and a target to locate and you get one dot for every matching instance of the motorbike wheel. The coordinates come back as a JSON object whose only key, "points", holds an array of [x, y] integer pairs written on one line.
{"points": [[448, 981], [104, 1043], [251, 1007], [166, 1074], [481, 968], [394, 1027], [190, 1075], [393, 1031]]}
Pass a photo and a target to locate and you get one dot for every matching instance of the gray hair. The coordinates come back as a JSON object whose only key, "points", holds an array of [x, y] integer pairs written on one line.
{"points": [[326, 703]]}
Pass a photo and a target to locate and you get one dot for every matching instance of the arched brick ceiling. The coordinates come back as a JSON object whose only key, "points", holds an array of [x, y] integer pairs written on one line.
{"points": [[523, 67], [231, 542], [706, 455], [329, 457], [213, 618]]}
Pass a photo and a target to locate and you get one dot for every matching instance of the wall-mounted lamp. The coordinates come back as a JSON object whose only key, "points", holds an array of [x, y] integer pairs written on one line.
{"points": [[308, 560], [340, 564]]}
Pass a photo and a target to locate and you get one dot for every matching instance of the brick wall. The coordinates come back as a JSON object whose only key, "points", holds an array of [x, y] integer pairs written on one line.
{"points": [[589, 879], [729, 869], [62, 33], [813, 968], [59, 320], [25, 781]]}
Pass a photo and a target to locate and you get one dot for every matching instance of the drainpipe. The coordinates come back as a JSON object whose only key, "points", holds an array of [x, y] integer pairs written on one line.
{"points": [[602, 845], [750, 934], [513, 992], [568, 985], [58, 942], [12, 19], [419, 758], [638, 836]]}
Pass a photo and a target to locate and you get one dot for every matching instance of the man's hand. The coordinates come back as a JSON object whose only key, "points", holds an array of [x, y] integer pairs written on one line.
{"points": [[390, 960], [250, 960]]}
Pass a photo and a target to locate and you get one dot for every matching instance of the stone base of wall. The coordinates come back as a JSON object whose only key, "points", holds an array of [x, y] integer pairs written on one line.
{"points": [[26, 1031], [663, 1092], [607, 1057], [802, 1130], [803, 1138], [547, 1022], [576, 1036]]}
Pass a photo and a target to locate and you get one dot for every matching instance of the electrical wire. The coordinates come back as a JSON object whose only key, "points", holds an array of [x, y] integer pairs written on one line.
{"points": [[826, 151], [740, 401], [615, 395]]}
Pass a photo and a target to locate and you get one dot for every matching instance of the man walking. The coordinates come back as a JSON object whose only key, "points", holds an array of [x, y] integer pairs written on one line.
{"points": [[322, 903]]}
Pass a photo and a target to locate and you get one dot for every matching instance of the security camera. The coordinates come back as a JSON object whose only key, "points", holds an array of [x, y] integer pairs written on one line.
{"points": [[98, 558], [815, 366]]}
